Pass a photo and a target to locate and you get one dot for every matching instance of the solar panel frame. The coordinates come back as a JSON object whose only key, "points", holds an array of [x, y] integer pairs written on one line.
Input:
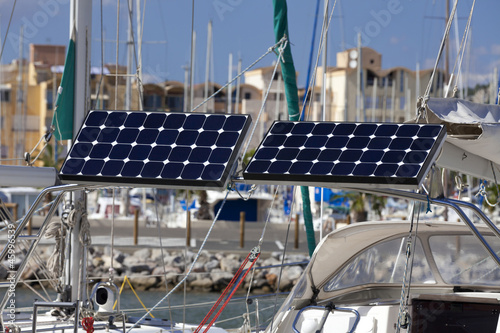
{"points": [[360, 155], [130, 148]]}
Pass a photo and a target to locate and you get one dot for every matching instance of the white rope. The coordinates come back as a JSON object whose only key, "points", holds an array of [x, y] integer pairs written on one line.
{"points": [[57, 231], [190, 268]]}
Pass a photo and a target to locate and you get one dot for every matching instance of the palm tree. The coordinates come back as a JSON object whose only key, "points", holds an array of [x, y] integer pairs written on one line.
{"points": [[360, 202]]}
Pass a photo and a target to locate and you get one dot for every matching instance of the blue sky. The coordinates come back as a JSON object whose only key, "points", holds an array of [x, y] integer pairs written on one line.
{"points": [[402, 30]]}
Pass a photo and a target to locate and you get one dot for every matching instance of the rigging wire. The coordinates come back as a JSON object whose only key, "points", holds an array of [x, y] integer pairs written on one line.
{"points": [[440, 52], [98, 90], [117, 50], [8, 28], [190, 268], [270, 50], [325, 27], [466, 38]]}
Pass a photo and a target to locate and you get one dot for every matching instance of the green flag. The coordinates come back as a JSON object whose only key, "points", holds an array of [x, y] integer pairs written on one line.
{"points": [[63, 111], [292, 97]]}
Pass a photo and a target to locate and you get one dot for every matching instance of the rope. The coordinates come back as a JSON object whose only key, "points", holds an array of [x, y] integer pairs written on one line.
{"points": [[271, 49], [57, 231], [126, 279], [231, 288], [190, 268], [88, 324]]}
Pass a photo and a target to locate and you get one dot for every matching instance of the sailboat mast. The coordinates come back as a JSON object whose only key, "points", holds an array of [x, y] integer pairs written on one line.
{"points": [[81, 22], [230, 86], [447, 55], [18, 118], [207, 64], [130, 54]]}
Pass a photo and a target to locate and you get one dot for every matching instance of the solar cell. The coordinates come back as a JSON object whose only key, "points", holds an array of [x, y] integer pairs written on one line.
{"points": [[175, 150], [345, 154]]}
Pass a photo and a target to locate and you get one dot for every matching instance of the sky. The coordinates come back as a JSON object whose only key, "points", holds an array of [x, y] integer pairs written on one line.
{"points": [[403, 31]]}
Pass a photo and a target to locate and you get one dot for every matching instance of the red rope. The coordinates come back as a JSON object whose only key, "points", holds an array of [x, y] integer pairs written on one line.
{"points": [[88, 324], [226, 290]]}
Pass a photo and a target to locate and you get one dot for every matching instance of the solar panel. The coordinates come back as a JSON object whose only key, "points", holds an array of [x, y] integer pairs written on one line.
{"points": [[345, 154], [174, 150]]}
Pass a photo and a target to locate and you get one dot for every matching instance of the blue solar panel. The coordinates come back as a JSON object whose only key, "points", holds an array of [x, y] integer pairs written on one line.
{"points": [[155, 149], [346, 154]]}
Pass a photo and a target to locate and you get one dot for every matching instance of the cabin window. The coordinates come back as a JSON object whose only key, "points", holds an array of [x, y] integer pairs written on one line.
{"points": [[382, 263], [462, 260]]}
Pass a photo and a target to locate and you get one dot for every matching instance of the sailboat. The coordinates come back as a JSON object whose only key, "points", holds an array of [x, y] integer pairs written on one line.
{"points": [[375, 276]]}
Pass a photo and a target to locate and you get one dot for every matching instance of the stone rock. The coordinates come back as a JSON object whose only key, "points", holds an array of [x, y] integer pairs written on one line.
{"points": [[142, 254], [143, 282], [199, 268], [293, 272], [229, 264], [120, 257], [204, 284], [163, 270], [140, 268], [272, 279], [220, 278], [211, 265]]}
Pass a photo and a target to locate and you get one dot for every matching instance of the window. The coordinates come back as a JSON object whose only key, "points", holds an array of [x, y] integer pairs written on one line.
{"points": [[175, 103], [402, 103], [382, 263], [402, 81], [388, 103], [370, 78], [247, 96], [152, 102], [50, 99], [461, 259], [5, 95]]}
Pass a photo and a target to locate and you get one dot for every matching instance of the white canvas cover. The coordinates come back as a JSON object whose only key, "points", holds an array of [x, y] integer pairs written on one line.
{"points": [[472, 127]]}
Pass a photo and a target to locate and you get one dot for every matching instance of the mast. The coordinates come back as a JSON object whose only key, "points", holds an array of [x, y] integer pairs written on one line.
{"points": [[230, 86], [18, 118], [81, 21], [207, 64], [447, 55], [130, 54], [238, 86]]}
